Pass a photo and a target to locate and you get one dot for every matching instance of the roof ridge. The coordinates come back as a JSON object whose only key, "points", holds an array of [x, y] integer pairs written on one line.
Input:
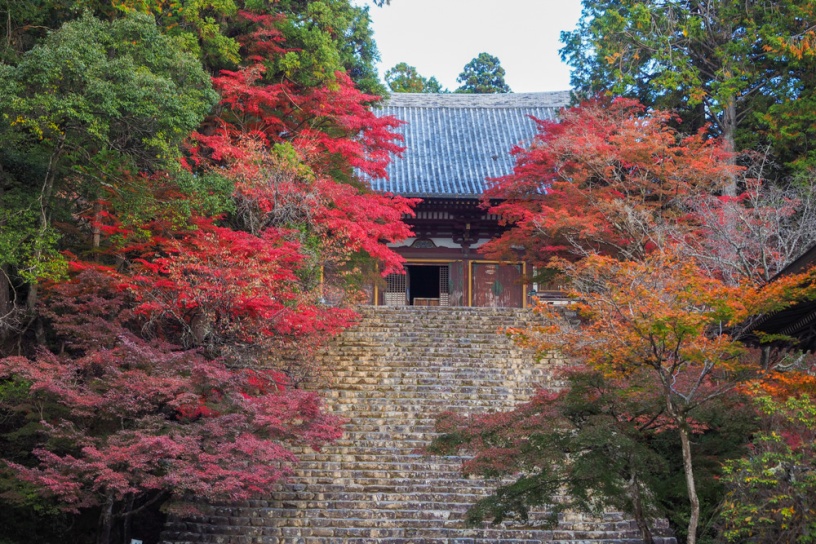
{"points": [[546, 99]]}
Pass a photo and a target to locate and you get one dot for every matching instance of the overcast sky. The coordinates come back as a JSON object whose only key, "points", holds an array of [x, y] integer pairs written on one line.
{"points": [[440, 36]]}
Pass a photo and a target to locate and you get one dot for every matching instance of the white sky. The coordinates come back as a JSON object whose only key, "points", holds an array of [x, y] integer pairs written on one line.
{"points": [[439, 37]]}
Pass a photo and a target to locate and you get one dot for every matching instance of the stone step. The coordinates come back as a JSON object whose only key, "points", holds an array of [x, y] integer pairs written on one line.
{"points": [[354, 535], [499, 389], [330, 493], [383, 465], [421, 377], [444, 527], [326, 537], [395, 518], [324, 456]]}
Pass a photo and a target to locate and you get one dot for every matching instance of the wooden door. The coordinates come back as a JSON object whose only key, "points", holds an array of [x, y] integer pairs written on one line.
{"points": [[497, 285], [456, 284]]}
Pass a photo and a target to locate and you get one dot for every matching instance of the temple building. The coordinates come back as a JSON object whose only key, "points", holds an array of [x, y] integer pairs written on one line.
{"points": [[454, 143]]}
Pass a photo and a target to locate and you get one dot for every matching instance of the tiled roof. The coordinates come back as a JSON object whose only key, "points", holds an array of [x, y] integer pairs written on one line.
{"points": [[454, 141]]}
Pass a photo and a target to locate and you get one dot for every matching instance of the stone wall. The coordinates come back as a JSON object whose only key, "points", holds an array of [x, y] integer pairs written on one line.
{"points": [[389, 376]]}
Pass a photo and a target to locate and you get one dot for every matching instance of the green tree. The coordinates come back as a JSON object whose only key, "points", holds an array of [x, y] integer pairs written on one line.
{"points": [[483, 74], [322, 36], [199, 25], [771, 491], [579, 442], [404, 78], [81, 115], [721, 62], [433, 86], [596, 449], [790, 118], [325, 36]]}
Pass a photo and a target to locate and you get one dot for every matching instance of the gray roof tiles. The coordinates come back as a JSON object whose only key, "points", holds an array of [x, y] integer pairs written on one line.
{"points": [[454, 141]]}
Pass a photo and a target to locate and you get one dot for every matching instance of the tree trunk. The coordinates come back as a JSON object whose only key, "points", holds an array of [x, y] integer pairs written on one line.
{"points": [[45, 223], [106, 521], [31, 307], [729, 128], [640, 517], [97, 230], [128, 520], [5, 282], [765, 357], [694, 501], [5, 301]]}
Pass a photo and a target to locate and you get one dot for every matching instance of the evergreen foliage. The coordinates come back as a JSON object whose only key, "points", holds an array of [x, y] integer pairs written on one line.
{"points": [[404, 78], [483, 74], [744, 69]]}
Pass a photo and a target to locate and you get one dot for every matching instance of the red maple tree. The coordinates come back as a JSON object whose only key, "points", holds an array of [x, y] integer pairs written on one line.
{"points": [[611, 199], [124, 419], [170, 362], [608, 177]]}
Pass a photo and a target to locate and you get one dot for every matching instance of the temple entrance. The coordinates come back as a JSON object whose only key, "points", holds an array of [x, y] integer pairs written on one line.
{"points": [[456, 283], [421, 285]]}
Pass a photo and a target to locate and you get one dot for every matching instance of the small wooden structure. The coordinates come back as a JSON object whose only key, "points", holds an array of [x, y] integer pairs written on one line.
{"points": [[798, 321], [454, 143]]}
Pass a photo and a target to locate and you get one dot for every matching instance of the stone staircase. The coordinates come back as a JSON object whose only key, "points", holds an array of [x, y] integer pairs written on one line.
{"points": [[389, 376]]}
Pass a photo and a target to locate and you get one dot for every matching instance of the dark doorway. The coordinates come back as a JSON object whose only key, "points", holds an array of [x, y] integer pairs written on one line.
{"points": [[423, 285]]}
